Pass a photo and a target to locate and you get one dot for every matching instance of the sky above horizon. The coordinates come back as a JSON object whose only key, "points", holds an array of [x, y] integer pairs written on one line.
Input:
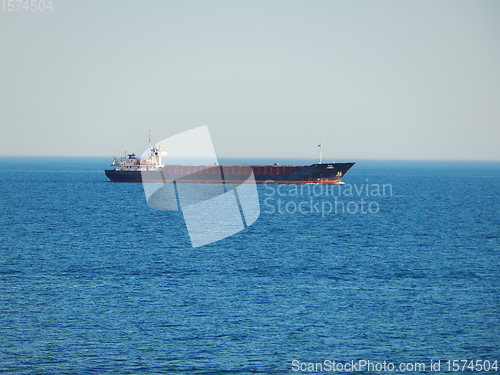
{"points": [[369, 79]]}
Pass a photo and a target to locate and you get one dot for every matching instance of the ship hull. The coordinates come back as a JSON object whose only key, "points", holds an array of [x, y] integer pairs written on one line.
{"points": [[279, 174]]}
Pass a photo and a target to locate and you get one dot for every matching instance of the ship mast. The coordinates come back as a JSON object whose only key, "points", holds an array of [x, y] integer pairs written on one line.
{"points": [[320, 151]]}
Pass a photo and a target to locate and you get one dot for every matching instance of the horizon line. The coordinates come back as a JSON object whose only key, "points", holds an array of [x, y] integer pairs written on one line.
{"points": [[267, 158]]}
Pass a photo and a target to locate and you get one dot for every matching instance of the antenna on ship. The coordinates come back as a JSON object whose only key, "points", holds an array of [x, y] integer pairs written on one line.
{"points": [[320, 151], [149, 144]]}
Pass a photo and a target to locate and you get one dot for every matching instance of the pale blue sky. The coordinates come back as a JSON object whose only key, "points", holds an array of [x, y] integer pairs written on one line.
{"points": [[370, 79]]}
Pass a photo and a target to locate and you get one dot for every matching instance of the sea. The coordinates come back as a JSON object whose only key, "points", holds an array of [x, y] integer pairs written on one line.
{"points": [[397, 271]]}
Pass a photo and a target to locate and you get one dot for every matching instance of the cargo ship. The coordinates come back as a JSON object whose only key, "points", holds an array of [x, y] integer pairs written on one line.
{"points": [[151, 169]]}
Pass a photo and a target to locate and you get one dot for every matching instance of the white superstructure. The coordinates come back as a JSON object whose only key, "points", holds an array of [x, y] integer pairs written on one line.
{"points": [[151, 161]]}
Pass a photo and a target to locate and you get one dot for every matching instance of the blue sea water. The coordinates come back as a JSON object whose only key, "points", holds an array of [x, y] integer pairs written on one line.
{"points": [[92, 280]]}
